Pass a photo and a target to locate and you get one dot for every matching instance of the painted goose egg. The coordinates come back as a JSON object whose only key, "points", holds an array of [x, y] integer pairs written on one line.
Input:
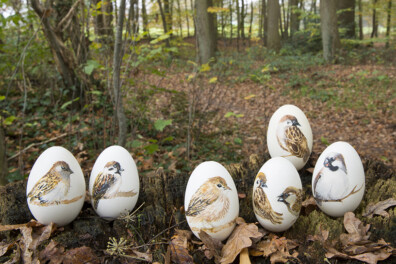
{"points": [[56, 187], [289, 135], [277, 195], [338, 180], [114, 183], [211, 200]]}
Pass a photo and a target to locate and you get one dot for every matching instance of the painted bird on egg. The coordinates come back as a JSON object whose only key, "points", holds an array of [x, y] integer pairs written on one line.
{"points": [[261, 204], [291, 139], [107, 183], [206, 201], [54, 186], [292, 198], [331, 184]]}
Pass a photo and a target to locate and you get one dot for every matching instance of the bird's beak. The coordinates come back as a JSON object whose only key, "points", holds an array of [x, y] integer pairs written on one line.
{"points": [[263, 185], [295, 123], [71, 172], [119, 171], [281, 198]]}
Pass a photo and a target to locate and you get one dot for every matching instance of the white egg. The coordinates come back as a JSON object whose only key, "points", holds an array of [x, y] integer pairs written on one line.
{"points": [[289, 135], [211, 200], [56, 187], [114, 183], [277, 195], [338, 180]]}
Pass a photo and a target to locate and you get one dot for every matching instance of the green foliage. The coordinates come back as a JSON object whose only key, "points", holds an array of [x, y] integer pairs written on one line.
{"points": [[160, 124]]}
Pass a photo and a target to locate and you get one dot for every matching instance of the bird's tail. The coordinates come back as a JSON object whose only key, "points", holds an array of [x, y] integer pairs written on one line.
{"points": [[95, 203]]}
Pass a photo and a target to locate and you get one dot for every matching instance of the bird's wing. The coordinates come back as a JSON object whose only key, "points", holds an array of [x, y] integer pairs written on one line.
{"points": [[44, 186], [102, 184], [263, 208], [199, 202], [318, 176], [297, 143]]}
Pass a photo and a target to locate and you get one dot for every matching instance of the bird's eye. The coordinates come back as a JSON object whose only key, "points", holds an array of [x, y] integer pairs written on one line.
{"points": [[111, 168], [63, 168], [219, 185], [258, 181]]}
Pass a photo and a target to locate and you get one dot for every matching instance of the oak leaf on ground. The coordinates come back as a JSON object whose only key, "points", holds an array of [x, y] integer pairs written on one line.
{"points": [[179, 246], [277, 249], [379, 208]]}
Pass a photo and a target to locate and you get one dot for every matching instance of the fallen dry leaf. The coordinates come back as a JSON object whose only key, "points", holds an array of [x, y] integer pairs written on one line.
{"points": [[308, 206], [144, 255], [80, 255], [277, 249], [179, 247], [379, 208], [213, 246], [356, 244], [322, 237], [4, 247], [52, 253], [238, 240]]}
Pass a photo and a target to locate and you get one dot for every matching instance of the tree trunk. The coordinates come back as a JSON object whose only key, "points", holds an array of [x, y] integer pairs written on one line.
{"points": [[243, 20], [117, 60], [3, 158], [282, 32], [374, 32], [388, 23], [205, 31], [168, 14], [330, 38], [179, 18], [187, 19], [294, 13], [144, 18], [192, 10], [231, 25], [360, 20], [65, 59], [265, 22], [346, 17], [251, 20], [238, 22], [103, 21], [273, 40]]}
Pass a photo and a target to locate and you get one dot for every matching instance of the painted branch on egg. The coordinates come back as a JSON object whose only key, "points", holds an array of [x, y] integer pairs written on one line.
{"points": [[75, 199], [341, 199]]}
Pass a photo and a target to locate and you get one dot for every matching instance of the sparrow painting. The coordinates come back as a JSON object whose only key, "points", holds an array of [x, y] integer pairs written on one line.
{"points": [[331, 183], [210, 202], [107, 183], [261, 204], [292, 198], [291, 139], [53, 186]]}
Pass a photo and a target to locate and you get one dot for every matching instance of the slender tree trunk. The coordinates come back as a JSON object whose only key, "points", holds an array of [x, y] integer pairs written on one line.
{"points": [[192, 10], [187, 18], [294, 13], [260, 29], [163, 17], [238, 22], [242, 19], [251, 20], [231, 26], [168, 14], [374, 32], [136, 18], [273, 40], [205, 31], [330, 37], [265, 23], [103, 21], [282, 32], [388, 23], [144, 17], [179, 19], [346, 17], [3, 158], [222, 20], [117, 61], [360, 20]]}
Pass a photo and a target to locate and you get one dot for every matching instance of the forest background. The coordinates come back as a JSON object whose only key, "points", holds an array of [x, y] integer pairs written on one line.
{"points": [[178, 82]]}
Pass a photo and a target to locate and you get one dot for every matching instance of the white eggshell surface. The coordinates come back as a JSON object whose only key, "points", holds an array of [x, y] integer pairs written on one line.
{"points": [[289, 135], [56, 187], [211, 200], [277, 195], [114, 183], [338, 180]]}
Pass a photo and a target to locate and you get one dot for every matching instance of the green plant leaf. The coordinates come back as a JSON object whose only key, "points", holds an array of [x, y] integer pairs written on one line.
{"points": [[8, 121], [238, 141], [91, 66], [229, 114], [151, 148], [2, 97], [69, 103], [324, 141], [160, 124]]}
